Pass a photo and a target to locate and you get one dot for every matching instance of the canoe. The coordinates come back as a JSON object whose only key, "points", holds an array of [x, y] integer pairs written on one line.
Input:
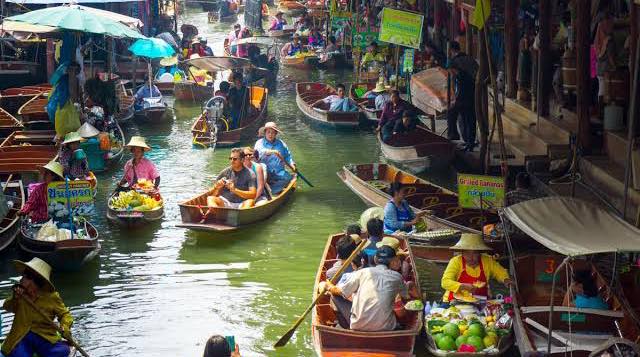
{"points": [[24, 157], [13, 98], [305, 63], [132, 219], [195, 214], [70, 254], [371, 182], [154, 114], [164, 87], [214, 16], [283, 34], [189, 90], [33, 113], [332, 341], [8, 123], [419, 150], [333, 61], [291, 8], [10, 224], [309, 92], [248, 130]]}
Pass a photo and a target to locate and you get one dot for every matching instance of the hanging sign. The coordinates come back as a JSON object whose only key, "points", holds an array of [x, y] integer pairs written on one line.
{"points": [[80, 196], [407, 64], [401, 27], [476, 189]]}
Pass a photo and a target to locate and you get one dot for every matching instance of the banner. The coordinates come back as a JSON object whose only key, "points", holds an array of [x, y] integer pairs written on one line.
{"points": [[80, 195], [401, 28], [407, 63], [472, 189]]}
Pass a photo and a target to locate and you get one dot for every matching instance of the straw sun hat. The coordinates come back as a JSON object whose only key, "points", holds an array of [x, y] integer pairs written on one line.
{"points": [[55, 167], [169, 61], [138, 141], [471, 241], [72, 137], [39, 267], [88, 131], [379, 87], [269, 125]]}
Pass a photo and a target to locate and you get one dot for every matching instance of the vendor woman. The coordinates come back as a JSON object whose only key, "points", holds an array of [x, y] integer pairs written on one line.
{"points": [[398, 215], [72, 158], [36, 205], [32, 333], [471, 270], [139, 167]]}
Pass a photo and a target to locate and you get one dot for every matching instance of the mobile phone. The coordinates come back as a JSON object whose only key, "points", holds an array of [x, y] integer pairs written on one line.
{"points": [[231, 340]]}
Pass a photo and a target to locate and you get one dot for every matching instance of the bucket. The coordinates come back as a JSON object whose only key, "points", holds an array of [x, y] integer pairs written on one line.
{"points": [[613, 117], [618, 86]]}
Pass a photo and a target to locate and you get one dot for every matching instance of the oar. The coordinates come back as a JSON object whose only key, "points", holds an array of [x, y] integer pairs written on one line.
{"points": [[287, 336], [294, 170], [8, 180], [70, 339]]}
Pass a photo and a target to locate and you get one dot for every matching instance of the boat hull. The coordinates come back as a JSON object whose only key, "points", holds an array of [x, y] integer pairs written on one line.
{"points": [[190, 91], [430, 150], [304, 63], [308, 92], [10, 224], [153, 115], [135, 219], [13, 98]]}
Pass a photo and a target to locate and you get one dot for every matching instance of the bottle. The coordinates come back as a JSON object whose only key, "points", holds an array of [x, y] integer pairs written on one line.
{"points": [[427, 308]]}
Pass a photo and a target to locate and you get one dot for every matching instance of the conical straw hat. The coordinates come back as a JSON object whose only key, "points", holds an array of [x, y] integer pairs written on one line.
{"points": [[72, 137], [39, 267], [88, 131], [54, 167], [471, 241], [138, 141]]}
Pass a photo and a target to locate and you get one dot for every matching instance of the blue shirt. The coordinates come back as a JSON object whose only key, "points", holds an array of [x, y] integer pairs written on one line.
{"points": [[595, 302], [145, 92], [274, 165], [337, 104], [370, 251], [393, 217]]}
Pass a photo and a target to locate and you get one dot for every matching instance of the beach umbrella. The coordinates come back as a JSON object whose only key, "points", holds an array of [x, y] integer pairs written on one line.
{"points": [[151, 48], [168, 38], [75, 18]]}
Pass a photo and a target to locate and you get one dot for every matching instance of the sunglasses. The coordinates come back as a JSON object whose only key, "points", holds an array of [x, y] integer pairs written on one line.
{"points": [[235, 158]]}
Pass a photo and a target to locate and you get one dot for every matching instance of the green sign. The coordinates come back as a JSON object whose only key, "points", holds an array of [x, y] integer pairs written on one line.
{"points": [[567, 317], [401, 27], [476, 189], [364, 39], [407, 65]]}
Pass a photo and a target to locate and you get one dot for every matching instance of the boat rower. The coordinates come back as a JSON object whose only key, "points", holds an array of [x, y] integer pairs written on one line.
{"points": [[36, 205], [139, 167], [468, 274], [147, 90], [398, 215], [372, 60], [274, 153], [31, 333], [292, 48], [278, 22]]}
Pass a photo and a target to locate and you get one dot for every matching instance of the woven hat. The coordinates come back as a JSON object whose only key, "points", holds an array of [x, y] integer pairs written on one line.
{"points": [[390, 242], [379, 87], [72, 137], [357, 240], [88, 131], [55, 167], [169, 61], [39, 267], [471, 241], [138, 141], [269, 125]]}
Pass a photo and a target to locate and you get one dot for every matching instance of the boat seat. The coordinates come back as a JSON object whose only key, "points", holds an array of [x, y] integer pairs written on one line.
{"points": [[426, 200]]}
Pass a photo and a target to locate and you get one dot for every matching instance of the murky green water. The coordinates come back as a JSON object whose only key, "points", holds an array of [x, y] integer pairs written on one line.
{"points": [[162, 290]]}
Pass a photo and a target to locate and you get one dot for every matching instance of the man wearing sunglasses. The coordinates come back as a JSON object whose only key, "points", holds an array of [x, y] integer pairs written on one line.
{"points": [[235, 187]]}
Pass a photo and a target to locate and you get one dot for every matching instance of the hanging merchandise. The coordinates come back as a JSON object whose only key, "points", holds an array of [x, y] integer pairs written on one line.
{"points": [[67, 119]]}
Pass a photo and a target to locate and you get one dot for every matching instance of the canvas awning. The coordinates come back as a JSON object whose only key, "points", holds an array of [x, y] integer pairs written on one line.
{"points": [[24, 31], [215, 64], [573, 227]]}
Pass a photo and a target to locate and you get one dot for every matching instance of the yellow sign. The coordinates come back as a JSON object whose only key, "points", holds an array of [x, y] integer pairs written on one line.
{"points": [[80, 197], [401, 27], [479, 191]]}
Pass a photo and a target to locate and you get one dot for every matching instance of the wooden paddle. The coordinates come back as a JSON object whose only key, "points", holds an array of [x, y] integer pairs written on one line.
{"points": [[345, 264], [294, 170], [7, 185], [69, 339]]}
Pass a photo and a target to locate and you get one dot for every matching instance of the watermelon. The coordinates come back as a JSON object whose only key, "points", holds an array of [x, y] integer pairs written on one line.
{"points": [[447, 343], [476, 341], [451, 330]]}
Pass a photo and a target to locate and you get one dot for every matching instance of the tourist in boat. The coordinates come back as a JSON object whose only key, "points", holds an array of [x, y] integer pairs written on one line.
{"points": [[375, 230], [292, 48], [406, 125], [232, 39], [146, 91], [398, 215], [315, 38], [235, 186], [373, 293], [169, 71], [353, 228], [32, 333], [378, 95], [471, 271], [218, 346], [583, 292], [206, 49], [338, 102], [278, 22], [274, 153], [303, 23], [36, 205], [522, 191], [391, 113], [196, 49], [372, 59], [73, 158], [238, 101], [260, 170], [463, 69], [344, 247], [223, 90], [139, 167]]}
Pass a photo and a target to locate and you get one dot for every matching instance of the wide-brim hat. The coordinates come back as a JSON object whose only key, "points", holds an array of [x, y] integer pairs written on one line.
{"points": [[391, 242], [72, 137], [169, 61], [55, 167], [471, 241], [88, 131], [39, 267], [269, 125], [138, 141], [379, 87]]}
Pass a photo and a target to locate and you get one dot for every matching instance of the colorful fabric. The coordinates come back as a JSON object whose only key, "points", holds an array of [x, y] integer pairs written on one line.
{"points": [[491, 268], [277, 25], [277, 176], [36, 204], [465, 278], [33, 344], [145, 169], [26, 321]]}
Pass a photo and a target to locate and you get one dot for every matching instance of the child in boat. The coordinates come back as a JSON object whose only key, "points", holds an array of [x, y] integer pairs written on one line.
{"points": [[583, 292], [73, 159], [31, 332], [36, 205]]}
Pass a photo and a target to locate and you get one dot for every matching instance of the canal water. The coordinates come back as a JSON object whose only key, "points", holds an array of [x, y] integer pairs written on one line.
{"points": [[162, 290]]}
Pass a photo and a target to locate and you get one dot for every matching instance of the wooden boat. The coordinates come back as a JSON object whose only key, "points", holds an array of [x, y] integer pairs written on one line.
{"points": [[305, 63], [10, 224], [214, 16], [248, 129], [308, 93], [429, 91], [371, 183], [419, 150], [154, 114], [25, 158], [190, 90], [332, 341], [282, 34], [132, 219], [333, 61], [8, 124], [30, 138], [13, 98], [164, 87], [367, 106], [291, 8], [33, 113], [70, 254], [196, 215]]}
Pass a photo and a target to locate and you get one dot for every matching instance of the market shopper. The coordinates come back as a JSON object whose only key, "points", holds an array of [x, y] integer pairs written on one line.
{"points": [[463, 69], [139, 167], [36, 205], [274, 153], [391, 113]]}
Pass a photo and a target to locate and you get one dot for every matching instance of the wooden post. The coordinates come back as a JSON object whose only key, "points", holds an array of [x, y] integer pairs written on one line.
{"points": [[544, 52], [482, 102], [511, 46], [468, 35], [397, 66], [134, 74], [634, 33], [583, 77]]}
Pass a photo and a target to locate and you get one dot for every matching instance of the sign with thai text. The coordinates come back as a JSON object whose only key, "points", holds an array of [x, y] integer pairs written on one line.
{"points": [[401, 27], [476, 189], [80, 195]]}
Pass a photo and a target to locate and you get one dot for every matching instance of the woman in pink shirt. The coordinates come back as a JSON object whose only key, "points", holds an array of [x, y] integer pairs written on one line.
{"points": [[139, 167]]}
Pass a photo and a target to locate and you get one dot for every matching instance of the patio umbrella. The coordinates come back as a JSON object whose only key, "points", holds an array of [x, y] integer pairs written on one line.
{"points": [[168, 39], [151, 48], [74, 18]]}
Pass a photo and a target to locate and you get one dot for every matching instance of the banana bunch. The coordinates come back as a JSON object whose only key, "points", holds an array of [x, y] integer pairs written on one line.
{"points": [[133, 200]]}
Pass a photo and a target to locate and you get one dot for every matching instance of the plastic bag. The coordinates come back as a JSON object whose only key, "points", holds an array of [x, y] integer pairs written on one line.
{"points": [[48, 232], [67, 119], [63, 234]]}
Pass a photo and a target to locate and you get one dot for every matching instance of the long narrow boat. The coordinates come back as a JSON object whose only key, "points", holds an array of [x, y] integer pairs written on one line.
{"points": [[10, 224], [165, 87], [304, 62], [196, 215], [33, 113], [367, 107], [371, 183], [308, 93], [418, 150], [329, 340], [128, 218], [291, 7], [281, 34], [190, 90], [30, 138], [8, 124], [114, 154], [69, 254], [13, 98], [154, 114], [202, 134], [25, 158], [214, 16]]}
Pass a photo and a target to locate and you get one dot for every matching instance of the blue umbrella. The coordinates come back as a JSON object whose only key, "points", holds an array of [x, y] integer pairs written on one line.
{"points": [[152, 48]]}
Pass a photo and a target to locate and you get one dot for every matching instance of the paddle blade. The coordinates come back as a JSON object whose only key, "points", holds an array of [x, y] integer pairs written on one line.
{"points": [[285, 338]]}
